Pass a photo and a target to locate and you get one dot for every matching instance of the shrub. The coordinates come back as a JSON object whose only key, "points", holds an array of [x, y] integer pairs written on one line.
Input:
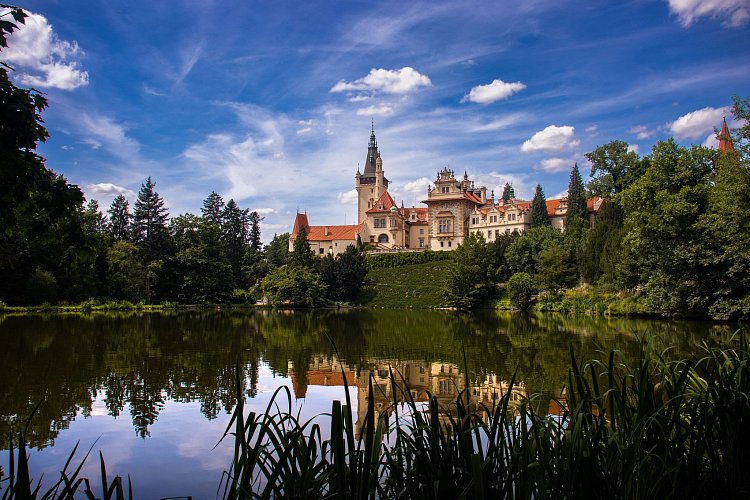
{"points": [[294, 286], [41, 287], [386, 260], [521, 289]]}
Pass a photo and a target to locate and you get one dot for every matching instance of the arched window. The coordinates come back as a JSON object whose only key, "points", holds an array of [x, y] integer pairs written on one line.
{"points": [[383, 238]]}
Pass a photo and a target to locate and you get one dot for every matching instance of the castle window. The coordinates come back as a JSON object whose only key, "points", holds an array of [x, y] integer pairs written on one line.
{"points": [[493, 218], [441, 244], [489, 234], [475, 220], [446, 189], [421, 242], [449, 243], [372, 239], [511, 216], [444, 225], [497, 233], [380, 224], [383, 238], [421, 230], [321, 251]]}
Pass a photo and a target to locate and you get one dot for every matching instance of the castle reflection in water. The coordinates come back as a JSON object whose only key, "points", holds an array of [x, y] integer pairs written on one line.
{"points": [[421, 379]]}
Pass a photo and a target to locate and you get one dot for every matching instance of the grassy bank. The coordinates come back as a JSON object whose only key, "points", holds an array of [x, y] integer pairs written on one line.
{"points": [[90, 306], [416, 285]]}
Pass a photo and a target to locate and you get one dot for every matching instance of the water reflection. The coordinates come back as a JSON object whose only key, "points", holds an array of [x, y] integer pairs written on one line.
{"points": [[141, 361]]}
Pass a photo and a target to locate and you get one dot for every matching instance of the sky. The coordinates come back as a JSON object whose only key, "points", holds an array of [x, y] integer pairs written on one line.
{"points": [[271, 102]]}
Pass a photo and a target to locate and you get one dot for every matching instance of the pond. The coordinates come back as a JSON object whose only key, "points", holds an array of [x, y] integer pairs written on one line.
{"points": [[153, 391]]}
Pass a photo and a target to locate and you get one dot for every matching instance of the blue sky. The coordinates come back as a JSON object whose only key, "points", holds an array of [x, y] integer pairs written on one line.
{"points": [[270, 103]]}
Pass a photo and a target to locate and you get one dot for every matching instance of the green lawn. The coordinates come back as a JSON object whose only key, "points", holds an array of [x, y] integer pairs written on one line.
{"points": [[417, 285]]}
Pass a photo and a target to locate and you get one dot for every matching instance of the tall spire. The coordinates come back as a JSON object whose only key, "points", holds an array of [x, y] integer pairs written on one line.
{"points": [[725, 140], [372, 154]]}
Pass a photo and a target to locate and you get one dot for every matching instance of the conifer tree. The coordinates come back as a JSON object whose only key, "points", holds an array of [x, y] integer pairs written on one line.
{"points": [[93, 220], [508, 192], [150, 223], [254, 220], [301, 254], [235, 233], [213, 208], [539, 215], [577, 215], [119, 219]]}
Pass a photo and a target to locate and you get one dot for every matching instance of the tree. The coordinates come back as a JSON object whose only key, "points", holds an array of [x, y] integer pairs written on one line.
{"points": [[617, 166], [521, 290], [556, 267], [344, 273], [577, 215], [601, 248], [471, 278], [301, 254], [522, 254], [126, 277], [235, 233], [213, 208], [150, 217], [499, 247], [278, 250], [294, 286], [93, 220], [539, 215], [741, 135], [254, 221], [508, 193], [120, 219]]}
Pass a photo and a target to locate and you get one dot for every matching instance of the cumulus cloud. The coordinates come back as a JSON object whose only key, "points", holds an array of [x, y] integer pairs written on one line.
{"points": [[381, 110], [732, 13], [592, 129], [492, 92], [417, 187], [347, 197], [552, 138], [389, 81], [696, 124], [711, 141], [264, 211], [108, 189], [641, 132], [553, 165], [633, 148], [42, 58]]}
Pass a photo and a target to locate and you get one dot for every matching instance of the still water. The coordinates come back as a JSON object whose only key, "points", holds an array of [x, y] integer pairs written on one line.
{"points": [[154, 391]]}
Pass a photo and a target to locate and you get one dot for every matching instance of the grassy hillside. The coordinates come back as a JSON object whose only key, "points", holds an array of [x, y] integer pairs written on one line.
{"points": [[417, 285]]}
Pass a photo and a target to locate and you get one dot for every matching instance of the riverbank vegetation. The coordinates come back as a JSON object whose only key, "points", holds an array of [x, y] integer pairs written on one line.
{"points": [[646, 427]]}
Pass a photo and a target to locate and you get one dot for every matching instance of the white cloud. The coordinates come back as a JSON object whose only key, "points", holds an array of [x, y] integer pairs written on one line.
{"points": [[347, 197], [711, 141], [733, 13], [417, 187], [43, 60], [109, 190], [633, 148], [553, 165], [696, 124], [641, 132], [359, 98], [264, 211], [552, 138], [492, 92], [592, 129], [400, 81], [101, 131], [304, 130], [381, 110]]}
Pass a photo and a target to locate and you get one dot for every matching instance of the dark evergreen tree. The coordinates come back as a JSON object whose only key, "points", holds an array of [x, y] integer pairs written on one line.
{"points": [[120, 219], [93, 220], [508, 192], [577, 215], [278, 250], [343, 274], [235, 233], [150, 217], [539, 215], [301, 254], [471, 279], [213, 208], [254, 220]]}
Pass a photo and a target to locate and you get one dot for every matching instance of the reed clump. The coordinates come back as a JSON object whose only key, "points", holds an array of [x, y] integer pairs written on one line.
{"points": [[655, 429]]}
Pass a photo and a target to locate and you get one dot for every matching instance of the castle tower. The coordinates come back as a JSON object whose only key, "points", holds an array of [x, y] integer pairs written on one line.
{"points": [[725, 140], [370, 184]]}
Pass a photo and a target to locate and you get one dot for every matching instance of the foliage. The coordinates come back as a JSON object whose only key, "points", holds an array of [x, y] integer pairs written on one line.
{"points": [[277, 250], [471, 277], [508, 193], [150, 218], [235, 226], [213, 208], [577, 215], [556, 266], [521, 289], [539, 215], [617, 168], [343, 275], [126, 273], [294, 286], [301, 254], [387, 260], [522, 253], [120, 219], [741, 135], [41, 287], [417, 285]]}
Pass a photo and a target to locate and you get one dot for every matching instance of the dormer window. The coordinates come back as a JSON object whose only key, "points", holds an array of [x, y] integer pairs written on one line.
{"points": [[380, 207], [446, 189]]}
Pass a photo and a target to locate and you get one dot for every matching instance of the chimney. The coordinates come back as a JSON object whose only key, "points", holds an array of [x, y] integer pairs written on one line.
{"points": [[325, 231], [483, 189]]}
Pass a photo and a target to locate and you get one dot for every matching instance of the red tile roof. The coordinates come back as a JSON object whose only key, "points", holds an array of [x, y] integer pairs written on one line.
{"points": [[324, 378], [385, 200], [324, 233]]}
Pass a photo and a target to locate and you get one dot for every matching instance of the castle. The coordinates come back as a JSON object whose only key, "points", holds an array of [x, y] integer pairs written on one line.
{"points": [[455, 207]]}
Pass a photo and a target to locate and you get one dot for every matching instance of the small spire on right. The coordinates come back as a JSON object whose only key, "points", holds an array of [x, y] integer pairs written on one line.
{"points": [[725, 140]]}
